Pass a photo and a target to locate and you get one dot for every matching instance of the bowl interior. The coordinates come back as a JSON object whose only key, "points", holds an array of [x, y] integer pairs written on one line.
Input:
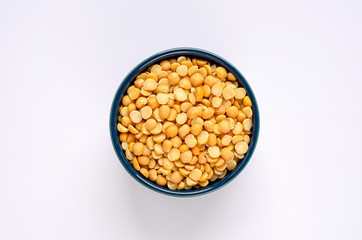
{"points": [[142, 67]]}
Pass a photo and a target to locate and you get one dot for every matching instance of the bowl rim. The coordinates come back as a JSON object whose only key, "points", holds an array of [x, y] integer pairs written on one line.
{"points": [[167, 54]]}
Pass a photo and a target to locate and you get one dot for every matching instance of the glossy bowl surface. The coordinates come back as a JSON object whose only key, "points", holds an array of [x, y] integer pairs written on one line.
{"points": [[129, 79]]}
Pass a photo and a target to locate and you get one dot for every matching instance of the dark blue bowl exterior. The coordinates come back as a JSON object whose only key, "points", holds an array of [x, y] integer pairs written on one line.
{"points": [[129, 79]]}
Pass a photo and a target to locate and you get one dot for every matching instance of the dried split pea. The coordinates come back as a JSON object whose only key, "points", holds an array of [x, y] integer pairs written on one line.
{"points": [[171, 185], [150, 124], [180, 95], [192, 70], [174, 154], [199, 94], [203, 137], [166, 146], [150, 84], [240, 93], [241, 147], [231, 77], [184, 130], [214, 151], [161, 180], [181, 59], [156, 69], [226, 140], [181, 118], [204, 184], [172, 116], [165, 65], [224, 126], [201, 62], [216, 102], [228, 93], [181, 186], [208, 69], [135, 116], [176, 177], [146, 112], [182, 70], [138, 149], [157, 129], [197, 120], [196, 79], [186, 157], [232, 111], [227, 154], [217, 89], [190, 182], [238, 128], [152, 102], [123, 137], [208, 113], [144, 172], [173, 78], [134, 93], [247, 138], [195, 174], [247, 124], [247, 101], [231, 165], [221, 72], [190, 141], [164, 112], [135, 164], [174, 66], [162, 98], [187, 63], [194, 112], [171, 131], [196, 129], [247, 111]]}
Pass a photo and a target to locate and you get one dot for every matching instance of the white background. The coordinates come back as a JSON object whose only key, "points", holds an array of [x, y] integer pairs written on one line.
{"points": [[62, 61]]}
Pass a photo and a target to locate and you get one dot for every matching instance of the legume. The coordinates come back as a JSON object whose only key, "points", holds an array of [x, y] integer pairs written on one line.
{"points": [[185, 123]]}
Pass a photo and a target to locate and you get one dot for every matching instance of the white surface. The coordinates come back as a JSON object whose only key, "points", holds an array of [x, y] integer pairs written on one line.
{"points": [[61, 63]]}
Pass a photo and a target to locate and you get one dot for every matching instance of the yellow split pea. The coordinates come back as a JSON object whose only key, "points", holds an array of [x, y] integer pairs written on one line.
{"points": [[185, 123]]}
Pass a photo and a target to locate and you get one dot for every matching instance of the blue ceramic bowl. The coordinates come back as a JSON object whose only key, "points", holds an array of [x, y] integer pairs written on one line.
{"points": [[143, 66]]}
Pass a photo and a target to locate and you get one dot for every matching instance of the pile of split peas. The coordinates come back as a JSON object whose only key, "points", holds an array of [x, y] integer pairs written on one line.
{"points": [[185, 123]]}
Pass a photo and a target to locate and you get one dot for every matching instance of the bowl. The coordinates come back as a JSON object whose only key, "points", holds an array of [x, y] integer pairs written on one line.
{"points": [[130, 78]]}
